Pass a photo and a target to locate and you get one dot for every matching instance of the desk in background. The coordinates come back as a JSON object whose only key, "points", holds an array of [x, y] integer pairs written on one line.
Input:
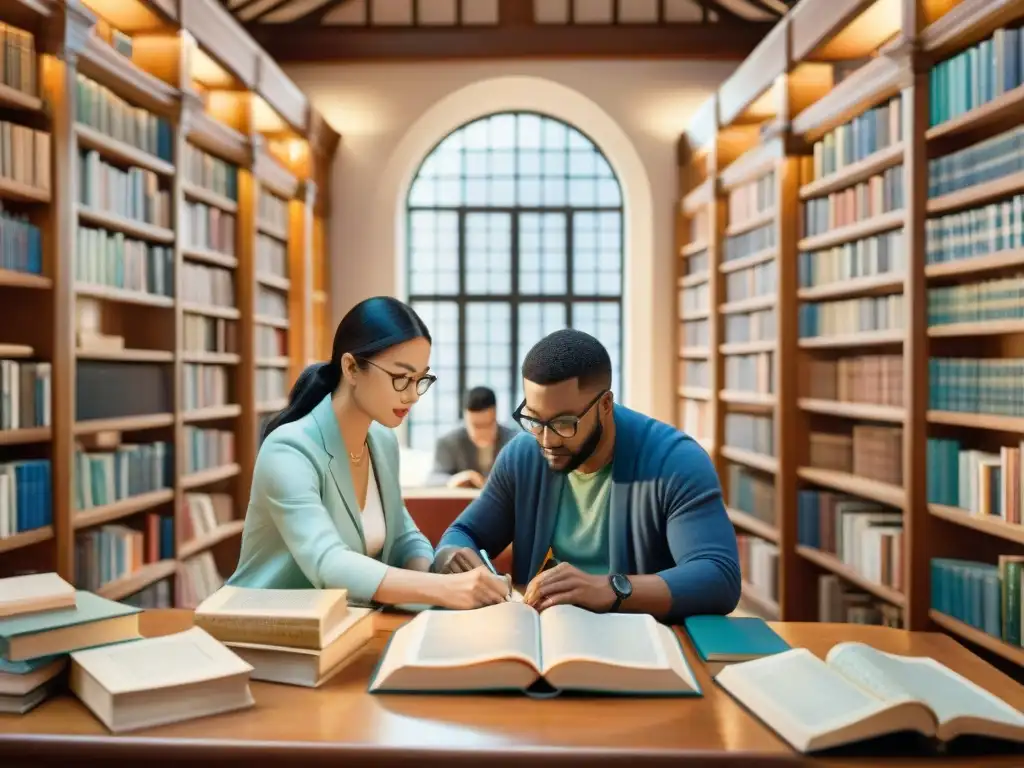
{"points": [[434, 509], [341, 724]]}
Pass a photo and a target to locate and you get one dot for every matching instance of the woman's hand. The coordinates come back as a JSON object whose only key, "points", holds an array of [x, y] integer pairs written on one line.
{"points": [[474, 589]]}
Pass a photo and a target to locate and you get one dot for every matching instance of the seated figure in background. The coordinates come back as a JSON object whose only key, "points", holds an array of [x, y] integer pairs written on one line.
{"points": [[605, 508], [464, 457]]}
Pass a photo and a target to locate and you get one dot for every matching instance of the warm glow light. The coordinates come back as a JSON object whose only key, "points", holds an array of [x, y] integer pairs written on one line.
{"points": [[207, 72], [129, 16], [265, 119], [866, 33], [665, 114]]}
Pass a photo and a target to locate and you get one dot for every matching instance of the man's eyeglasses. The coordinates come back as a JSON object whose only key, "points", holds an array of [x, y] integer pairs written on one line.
{"points": [[401, 381], [564, 426]]}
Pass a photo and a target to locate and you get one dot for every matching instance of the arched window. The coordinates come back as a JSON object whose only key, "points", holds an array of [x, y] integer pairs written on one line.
{"points": [[515, 229]]}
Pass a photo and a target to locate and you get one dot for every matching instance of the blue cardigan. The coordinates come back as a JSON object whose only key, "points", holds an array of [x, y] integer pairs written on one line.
{"points": [[667, 515]]}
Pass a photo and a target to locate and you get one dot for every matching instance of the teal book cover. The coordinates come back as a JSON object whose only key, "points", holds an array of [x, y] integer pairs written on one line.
{"points": [[89, 608], [725, 638]]}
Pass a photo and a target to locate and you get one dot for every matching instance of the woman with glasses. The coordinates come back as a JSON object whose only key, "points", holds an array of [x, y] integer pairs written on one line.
{"points": [[325, 510]]}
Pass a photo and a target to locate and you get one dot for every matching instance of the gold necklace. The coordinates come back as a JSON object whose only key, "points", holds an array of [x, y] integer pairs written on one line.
{"points": [[358, 459]]}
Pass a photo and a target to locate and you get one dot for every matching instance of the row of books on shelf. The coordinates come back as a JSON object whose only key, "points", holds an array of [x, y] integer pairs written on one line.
{"points": [[867, 450], [272, 213], [108, 476], [985, 301], [132, 193], [200, 333], [981, 595], [982, 483], [750, 373], [873, 379], [753, 199], [18, 65], [863, 535], [750, 432], [976, 75], [881, 193], [25, 389], [748, 243], [207, 448], [115, 260], [980, 231], [21, 244], [759, 565], [113, 552], [990, 159], [976, 385], [869, 132], [100, 109], [876, 255], [25, 155], [26, 496], [850, 316], [758, 280], [750, 326], [750, 492], [210, 172]]}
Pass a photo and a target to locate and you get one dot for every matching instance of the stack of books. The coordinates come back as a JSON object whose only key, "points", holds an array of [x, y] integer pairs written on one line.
{"points": [[125, 680], [293, 636], [42, 620]]}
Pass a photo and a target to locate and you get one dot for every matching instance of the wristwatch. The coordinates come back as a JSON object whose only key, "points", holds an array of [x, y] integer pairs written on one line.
{"points": [[622, 587]]}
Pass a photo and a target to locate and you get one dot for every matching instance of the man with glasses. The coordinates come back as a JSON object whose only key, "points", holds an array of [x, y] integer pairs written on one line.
{"points": [[606, 508]]}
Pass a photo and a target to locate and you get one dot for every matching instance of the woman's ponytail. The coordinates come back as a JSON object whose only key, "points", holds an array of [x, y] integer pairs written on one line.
{"points": [[315, 383]]}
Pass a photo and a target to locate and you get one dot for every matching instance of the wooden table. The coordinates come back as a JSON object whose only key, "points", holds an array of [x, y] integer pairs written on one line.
{"points": [[342, 725]]}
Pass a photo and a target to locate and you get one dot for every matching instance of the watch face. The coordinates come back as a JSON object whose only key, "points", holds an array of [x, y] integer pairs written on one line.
{"points": [[622, 585]]}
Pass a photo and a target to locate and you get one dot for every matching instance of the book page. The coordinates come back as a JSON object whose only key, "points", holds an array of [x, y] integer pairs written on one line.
{"points": [[569, 633], [311, 603], [187, 657], [33, 587], [796, 694], [894, 677], [458, 638]]}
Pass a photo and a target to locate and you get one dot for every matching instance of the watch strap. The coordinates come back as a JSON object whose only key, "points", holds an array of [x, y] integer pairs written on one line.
{"points": [[618, 595]]}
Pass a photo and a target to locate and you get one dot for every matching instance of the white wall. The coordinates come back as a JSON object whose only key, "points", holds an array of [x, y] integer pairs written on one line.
{"points": [[390, 115]]}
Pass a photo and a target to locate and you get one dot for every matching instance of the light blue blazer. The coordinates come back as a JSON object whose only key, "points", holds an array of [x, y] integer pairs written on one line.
{"points": [[303, 527]]}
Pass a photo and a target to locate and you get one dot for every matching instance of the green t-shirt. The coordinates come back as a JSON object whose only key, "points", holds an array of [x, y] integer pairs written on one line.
{"points": [[580, 537]]}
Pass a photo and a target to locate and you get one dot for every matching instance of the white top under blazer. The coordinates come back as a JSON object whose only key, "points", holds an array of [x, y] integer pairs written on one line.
{"points": [[374, 528]]}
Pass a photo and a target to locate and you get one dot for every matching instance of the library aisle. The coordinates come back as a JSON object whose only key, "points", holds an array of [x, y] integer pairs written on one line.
{"points": [[162, 282], [851, 251]]}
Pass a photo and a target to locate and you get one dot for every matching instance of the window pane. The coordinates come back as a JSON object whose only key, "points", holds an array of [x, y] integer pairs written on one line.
{"points": [[488, 253], [437, 411], [489, 349], [507, 161]]}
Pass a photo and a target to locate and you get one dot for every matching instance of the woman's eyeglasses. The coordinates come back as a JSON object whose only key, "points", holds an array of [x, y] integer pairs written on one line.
{"points": [[402, 381]]}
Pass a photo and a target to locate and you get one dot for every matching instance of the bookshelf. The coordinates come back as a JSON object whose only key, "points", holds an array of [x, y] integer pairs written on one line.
{"points": [[163, 152], [868, 436]]}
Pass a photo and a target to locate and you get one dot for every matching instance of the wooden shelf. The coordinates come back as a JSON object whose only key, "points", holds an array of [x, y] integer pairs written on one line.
{"points": [[735, 265], [750, 459], [860, 339], [129, 585], [863, 487], [993, 526], [12, 98], [739, 397], [752, 304], [124, 296], [12, 279], [865, 411], [883, 222], [870, 285], [22, 193], [980, 117], [202, 195], [980, 328], [753, 525], [986, 421], [201, 544], [120, 151], [747, 347], [833, 564], [87, 518], [979, 638], [700, 197], [756, 221], [692, 249], [129, 227], [25, 435], [212, 413], [692, 393], [210, 257], [978, 194], [26, 539], [209, 476], [127, 355], [976, 265], [124, 424]]}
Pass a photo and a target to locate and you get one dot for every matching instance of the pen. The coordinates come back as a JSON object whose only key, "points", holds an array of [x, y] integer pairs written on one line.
{"points": [[492, 569]]}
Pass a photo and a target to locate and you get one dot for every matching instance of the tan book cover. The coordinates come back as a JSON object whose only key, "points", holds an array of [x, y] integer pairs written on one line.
{"points": [[160, 680], [294, 618], [34, 593], [311, 669]]}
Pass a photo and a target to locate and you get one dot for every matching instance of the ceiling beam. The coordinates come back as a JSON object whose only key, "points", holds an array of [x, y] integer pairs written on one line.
{"points": [[722, 41]]}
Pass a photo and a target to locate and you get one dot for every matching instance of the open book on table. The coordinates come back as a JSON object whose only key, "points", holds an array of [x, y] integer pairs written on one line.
{"points": [[510, 646], [859, 693]]}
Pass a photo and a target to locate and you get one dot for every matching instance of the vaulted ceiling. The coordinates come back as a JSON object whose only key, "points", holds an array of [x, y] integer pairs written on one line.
{"points": [[340, 30]]}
